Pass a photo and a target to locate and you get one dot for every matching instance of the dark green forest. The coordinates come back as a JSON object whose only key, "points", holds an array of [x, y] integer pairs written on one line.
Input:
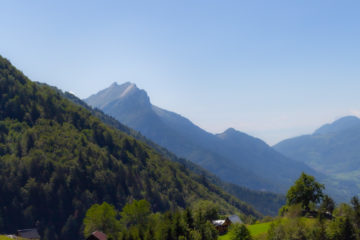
{"points": [[57, 159]]}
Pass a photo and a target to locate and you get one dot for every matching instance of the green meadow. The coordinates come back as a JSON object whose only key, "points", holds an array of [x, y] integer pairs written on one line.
{"points": [[255, 230], [3, 237]]}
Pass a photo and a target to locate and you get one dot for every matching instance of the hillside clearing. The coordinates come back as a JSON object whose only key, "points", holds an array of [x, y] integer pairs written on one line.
{"points": [[255, 230]]}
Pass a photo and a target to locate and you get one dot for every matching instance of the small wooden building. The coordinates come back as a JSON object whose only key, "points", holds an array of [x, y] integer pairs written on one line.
{"points": [[222, 225], [97, 235]]}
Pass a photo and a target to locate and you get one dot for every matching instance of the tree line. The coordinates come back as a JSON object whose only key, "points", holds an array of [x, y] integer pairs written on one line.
{"points": [[136, 221]]}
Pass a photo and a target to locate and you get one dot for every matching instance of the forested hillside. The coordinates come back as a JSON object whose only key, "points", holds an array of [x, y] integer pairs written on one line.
{"points": [[57, 159]]}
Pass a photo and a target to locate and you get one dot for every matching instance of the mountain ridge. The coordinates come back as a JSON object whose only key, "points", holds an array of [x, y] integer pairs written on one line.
{"points": [[341, 124], [189, 141], [332, 149], [326, 138]]}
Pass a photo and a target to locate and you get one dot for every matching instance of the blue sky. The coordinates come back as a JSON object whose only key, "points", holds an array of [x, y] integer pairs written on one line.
{"points": [[273, 69]]}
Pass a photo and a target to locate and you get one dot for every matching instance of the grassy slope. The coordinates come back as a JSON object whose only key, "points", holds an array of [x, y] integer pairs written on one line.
{"points": [[255, 230], [3, 237], [259, 231]]}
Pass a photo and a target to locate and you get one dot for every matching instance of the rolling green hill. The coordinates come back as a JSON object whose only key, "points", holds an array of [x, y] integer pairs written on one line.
{"points": [[57, 159]]}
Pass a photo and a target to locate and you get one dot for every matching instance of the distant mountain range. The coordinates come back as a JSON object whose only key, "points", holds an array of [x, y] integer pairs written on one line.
{"points": [[233, 156], [333, 149]]}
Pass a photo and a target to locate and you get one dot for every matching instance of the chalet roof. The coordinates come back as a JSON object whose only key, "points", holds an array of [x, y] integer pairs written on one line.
{"points": [[218, 222], [99, 235], [28, 233], [235, 219]]}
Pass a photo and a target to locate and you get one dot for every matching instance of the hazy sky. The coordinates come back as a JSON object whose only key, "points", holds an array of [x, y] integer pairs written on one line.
{"points": [[273, 69]]}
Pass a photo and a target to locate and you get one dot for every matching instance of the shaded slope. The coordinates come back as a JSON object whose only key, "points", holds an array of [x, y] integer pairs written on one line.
{"points": [[261, 157], [57, 159]]}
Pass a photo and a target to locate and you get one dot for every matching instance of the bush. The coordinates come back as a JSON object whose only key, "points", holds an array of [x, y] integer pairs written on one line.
{"points": [[239, 232]]}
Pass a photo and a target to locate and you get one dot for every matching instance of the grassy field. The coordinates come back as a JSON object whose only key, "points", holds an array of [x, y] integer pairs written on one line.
{"points": [[260, 228], [255, 230], [3, 237], [224, 237]]}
